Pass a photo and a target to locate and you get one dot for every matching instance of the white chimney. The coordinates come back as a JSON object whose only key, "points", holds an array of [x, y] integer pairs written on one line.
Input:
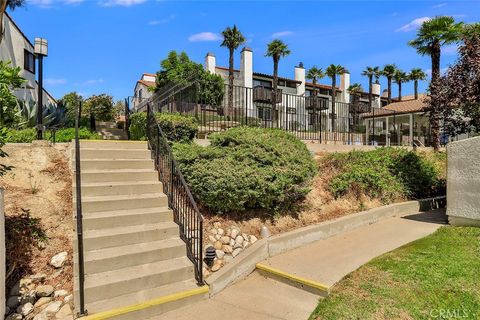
{"points": [[300, 76], [210, 63], [246, 67], [344, 85], [376, 91]]}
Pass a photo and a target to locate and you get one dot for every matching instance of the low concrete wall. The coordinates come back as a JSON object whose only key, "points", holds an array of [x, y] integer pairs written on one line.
{"points": [[463, 182], [2, 253], [245, 263]]}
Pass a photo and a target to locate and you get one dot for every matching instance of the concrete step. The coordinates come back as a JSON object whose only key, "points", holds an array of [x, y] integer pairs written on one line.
{"points": [[92, 153], [121, 236], [120, 188], [114, 258], [91, 176], [114, 138], [109, 164], [102, 144], [105, 124], [111, 203], [114, 283], [148, 295], [124, 218], [114, 131]]}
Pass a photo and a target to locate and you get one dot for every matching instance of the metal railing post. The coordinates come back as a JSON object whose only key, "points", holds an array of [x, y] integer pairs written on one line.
{"points": [[79, 217]]}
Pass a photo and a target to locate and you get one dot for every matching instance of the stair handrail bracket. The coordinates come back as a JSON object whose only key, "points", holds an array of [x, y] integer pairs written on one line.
{"points": [[180, 199]]}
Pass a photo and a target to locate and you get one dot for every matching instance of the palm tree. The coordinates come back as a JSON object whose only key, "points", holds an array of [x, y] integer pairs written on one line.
{"points": [[332, 71], [232, 39], [400, 77], [371, 72], [315, 74], [388, 72], [415, 75], [434, 33], [276, 49], [355, 90]]}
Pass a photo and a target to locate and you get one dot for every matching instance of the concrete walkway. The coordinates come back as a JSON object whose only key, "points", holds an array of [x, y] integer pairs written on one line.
{"points": [[326, 261]]}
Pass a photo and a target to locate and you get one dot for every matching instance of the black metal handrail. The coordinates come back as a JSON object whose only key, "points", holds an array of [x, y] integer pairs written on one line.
{"points": [[180, 199], [79, 217], [127, 119]]}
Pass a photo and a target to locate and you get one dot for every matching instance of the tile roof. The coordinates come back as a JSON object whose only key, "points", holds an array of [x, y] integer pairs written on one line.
{"points": [[147, 83], [408, 105], [319, 85]]}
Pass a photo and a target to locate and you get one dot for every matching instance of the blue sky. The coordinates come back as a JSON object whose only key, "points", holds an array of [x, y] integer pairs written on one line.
{"points": [[98, 46]]}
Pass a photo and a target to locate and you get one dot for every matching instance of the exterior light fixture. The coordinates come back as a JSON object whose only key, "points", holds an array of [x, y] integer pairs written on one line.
{"points": [[41, 50], [210, 254]]}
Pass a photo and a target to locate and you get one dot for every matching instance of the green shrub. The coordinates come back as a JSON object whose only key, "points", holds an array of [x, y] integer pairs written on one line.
{"points": [[61, 135], [177, 127], [387, 174], [247, 168]]}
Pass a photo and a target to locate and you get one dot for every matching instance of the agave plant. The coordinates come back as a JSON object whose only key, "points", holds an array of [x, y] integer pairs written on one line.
{"points": [[52, 116]]}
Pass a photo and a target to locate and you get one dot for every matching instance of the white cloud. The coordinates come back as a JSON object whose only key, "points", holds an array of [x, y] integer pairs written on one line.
{"points": [[440, 5], [282, 34], [204, 36], [121, 3], [53, 82], [92, 82], [73, 1], [414, 24], [162, 21]]}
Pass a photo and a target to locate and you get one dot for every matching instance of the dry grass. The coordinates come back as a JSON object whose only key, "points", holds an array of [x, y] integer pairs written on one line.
{"points": [[318, 206], [40, 183]]}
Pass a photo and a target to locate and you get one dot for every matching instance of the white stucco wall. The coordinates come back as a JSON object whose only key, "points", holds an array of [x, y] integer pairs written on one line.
{"points": [[12, 49], [463, 182], [2, 253]]}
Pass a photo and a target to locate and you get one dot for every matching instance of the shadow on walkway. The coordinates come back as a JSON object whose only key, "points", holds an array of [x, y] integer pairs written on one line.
{"points": [[438, 216]]}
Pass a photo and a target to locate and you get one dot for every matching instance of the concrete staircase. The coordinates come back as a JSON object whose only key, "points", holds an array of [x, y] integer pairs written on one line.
{"points": [[109, 131], [132, 250]]}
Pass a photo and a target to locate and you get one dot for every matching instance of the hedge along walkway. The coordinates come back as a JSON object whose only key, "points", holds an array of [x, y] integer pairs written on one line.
{"points": [[326, 261]]}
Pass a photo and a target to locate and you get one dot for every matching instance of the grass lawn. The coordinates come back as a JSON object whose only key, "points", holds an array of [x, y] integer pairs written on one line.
{"points": [[437, 277]]}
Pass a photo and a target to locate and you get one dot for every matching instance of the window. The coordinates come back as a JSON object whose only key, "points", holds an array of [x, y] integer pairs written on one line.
{"points": [[265, 113], [262, 83], [308, 93], [29, 61], [291, 84], [281, 83], [140, 93], [291, 110]]}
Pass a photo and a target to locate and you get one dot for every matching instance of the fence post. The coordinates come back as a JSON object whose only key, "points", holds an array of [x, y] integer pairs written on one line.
{"points": [[2, 252]]}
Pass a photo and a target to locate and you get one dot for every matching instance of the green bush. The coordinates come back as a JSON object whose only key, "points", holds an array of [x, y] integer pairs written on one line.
{"points": [[247, 168], [61, 135], [177, 127], [387, 174]]}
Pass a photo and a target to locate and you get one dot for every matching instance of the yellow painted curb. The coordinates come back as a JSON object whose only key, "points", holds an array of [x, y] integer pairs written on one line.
{"points": [[131, 141], [150, 303], [292, 277]]}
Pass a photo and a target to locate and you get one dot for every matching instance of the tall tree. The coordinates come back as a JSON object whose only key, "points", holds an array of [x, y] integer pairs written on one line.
{"points": [[371, 72], [315, 74], [388, 72], [276, 49], [400, 77], [11, 4], [333, 71], [415, 75], [431, 36], [232, 39], [71, 101]]}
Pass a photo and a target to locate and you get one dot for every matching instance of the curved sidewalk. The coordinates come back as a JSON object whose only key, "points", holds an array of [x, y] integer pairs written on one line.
{"points": [[325, 261]]}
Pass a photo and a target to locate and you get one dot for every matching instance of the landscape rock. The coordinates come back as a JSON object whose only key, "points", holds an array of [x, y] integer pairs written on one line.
{"points": [[29, 297], [229, 232], [236, 252], [234, 234], [217, 266], [245, 236], [42, 301], [217, 237], [221, 232], [68, 298], [232, 242], [213, 231], [245, 244], [52, 308], [25, 309], [64, 312], [212, 239], [41, 316], [218, 245], [217, 224], [227, 249], [253, 239], [237, 245], [60, 293], [14, 316], [44, 291], [39, 277], [220, 254], [225, 240], [21, 287], [239, 240], [58, 260]]}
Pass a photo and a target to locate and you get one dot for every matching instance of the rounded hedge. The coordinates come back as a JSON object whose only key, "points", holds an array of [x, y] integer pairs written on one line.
{"points": [[176, 127], [247, 168]]}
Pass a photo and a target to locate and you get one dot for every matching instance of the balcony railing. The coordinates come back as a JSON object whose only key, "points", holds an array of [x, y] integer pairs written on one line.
{"points": [[316, 103], [264, 94]]}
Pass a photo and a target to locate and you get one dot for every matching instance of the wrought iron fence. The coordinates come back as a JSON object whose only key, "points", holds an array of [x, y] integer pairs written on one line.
{"points": [[180, 199]]}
